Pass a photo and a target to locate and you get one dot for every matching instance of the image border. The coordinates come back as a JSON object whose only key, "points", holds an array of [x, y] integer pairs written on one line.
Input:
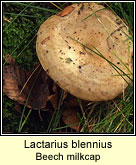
{"points": [[73, 134]]}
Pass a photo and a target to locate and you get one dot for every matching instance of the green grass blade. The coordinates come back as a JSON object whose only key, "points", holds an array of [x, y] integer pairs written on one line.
{"points": [[93, 13], [20, 124], [17, 16], [22, 15], [97, 52], [56, 115], [25, 120], [35, 7]]}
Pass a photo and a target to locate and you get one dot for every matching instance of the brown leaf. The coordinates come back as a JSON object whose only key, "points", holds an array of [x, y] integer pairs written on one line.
{"points": [[71, 118], [12, 84], [66, 11], [54, 97], [18, 84], [40, 91], [18, 107], [72, 102], [10, 60], [64, 97]]}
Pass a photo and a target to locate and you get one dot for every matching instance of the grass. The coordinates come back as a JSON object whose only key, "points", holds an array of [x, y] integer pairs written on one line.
{"points": [[20, 24]]}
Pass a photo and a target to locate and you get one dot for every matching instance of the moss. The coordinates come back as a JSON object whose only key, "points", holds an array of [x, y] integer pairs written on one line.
{"points": [[10, 117], [19, 36]]}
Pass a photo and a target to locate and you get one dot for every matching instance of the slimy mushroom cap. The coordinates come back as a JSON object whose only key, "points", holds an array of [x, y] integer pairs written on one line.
{"points": [[85, 49]]}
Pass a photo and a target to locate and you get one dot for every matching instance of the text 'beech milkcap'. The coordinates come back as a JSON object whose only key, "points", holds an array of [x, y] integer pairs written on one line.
{"points": [[85, 49]]}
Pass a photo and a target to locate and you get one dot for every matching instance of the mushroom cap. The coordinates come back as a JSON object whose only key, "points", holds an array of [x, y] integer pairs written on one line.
{"points": [[62, 47]]}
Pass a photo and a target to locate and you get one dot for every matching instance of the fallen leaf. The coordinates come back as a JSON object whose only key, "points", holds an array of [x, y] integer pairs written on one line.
{"points": [[18, 84], [64, 97], [71, 101], [70, 118], [12, 82], [54, 97], [10, 60], [66, 11], [38, 86], [18, 107]]}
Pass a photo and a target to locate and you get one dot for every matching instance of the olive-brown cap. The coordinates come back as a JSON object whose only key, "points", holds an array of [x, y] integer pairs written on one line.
{"points": [[98, 74]]}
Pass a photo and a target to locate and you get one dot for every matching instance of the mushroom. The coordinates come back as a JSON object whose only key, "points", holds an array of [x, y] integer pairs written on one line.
{"points": [[85, 49]]}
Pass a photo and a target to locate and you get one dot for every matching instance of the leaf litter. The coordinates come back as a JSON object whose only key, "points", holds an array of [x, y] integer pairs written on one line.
{"points": [[17, 83], [16, 88]]}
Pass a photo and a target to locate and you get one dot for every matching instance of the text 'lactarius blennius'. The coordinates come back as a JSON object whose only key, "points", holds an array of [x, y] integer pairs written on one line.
{"points": [[85, 49]]}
